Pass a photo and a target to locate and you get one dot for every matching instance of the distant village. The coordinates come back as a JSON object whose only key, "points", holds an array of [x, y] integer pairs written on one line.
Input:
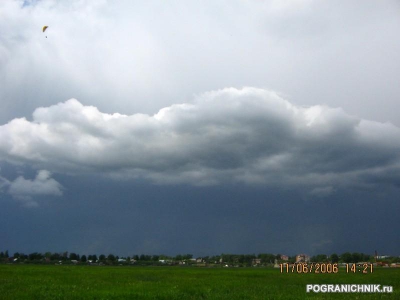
{"points": [[223, 260]]}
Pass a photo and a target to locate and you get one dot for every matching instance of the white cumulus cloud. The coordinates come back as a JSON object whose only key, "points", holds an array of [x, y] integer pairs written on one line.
{"points": [[42, 185]]}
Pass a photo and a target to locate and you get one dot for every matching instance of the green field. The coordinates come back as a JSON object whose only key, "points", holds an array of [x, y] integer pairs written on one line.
{"points": [[103, 282]]}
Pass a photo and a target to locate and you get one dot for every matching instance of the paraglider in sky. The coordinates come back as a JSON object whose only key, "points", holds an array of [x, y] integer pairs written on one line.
{"points": [[44, 29]]}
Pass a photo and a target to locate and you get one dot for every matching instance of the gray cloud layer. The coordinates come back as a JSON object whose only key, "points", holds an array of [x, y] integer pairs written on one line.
{"points": [[247, 135], [121, 55]]}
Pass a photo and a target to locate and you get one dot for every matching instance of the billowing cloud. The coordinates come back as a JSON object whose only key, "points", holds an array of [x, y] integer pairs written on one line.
{"points": [[248, 135], [25, 190]]}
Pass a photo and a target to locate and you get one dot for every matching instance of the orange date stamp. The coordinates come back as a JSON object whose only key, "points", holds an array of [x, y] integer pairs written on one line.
{"points": [[326, 268]]}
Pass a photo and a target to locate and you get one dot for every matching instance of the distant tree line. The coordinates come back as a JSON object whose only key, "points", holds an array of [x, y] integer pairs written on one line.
{"points": [[143, 259]]}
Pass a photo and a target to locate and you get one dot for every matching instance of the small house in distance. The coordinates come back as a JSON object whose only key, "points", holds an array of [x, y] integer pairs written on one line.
{"points": [[284, 257], [302, 258]]}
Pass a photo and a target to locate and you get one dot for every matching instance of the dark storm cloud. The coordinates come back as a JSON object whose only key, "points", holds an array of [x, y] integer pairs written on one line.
{"points": [[96, 216], [250, 136]]}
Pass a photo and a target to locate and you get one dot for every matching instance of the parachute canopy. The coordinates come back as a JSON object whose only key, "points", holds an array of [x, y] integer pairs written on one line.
{"points": [[44, 28]]}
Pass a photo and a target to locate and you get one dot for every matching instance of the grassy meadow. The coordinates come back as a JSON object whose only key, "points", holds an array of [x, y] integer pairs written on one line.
{"points": [[105, 282]]}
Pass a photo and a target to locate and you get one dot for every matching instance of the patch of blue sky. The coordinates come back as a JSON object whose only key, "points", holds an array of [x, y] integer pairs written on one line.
{"points": [[29, 2]]}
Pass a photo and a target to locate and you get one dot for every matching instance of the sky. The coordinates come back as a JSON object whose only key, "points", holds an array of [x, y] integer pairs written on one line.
{"points": [[202, 127]]}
